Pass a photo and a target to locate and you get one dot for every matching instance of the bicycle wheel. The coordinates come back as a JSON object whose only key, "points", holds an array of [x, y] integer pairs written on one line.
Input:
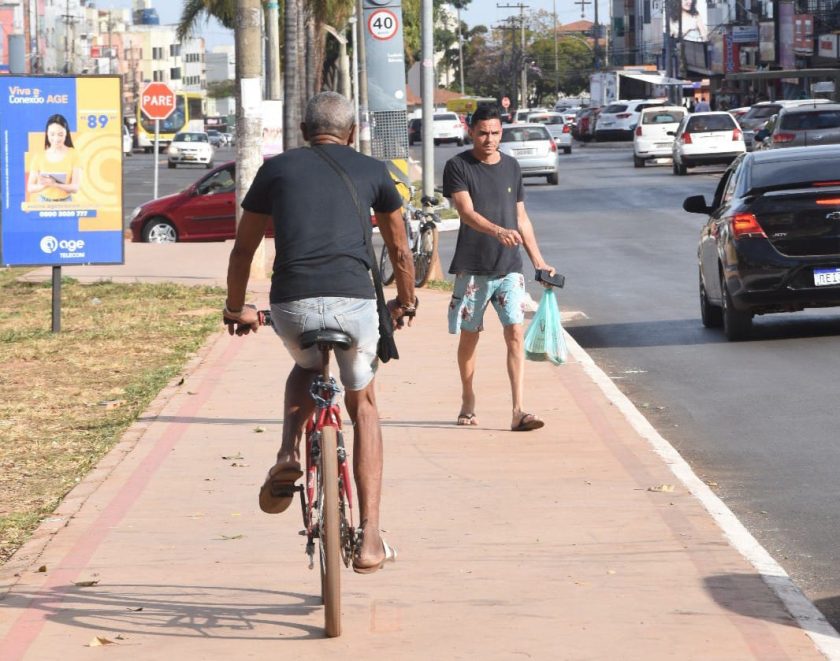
{"points": [[386, 268], [329, 537], [426, 248]]}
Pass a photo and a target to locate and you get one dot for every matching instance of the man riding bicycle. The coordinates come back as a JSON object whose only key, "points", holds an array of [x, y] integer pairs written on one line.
{"points": [[321, 280]]}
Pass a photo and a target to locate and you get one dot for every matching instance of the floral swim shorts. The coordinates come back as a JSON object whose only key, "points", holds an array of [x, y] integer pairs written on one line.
{"points": [[472, 294]]}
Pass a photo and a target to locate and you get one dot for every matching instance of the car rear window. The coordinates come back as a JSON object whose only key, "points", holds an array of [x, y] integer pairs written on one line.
{"points": [[705, 123], [615, 107], [789, 172], [663, 117], [191, 137], [525, 134], [546, 119], [762, 112], [447, 116], [806, 121]]}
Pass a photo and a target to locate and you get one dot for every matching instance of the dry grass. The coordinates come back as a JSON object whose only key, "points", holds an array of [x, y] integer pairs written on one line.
{"points": [[66, 398]]}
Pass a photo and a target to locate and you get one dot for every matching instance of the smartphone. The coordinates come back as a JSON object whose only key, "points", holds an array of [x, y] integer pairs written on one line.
{"points": [[556, 280]]}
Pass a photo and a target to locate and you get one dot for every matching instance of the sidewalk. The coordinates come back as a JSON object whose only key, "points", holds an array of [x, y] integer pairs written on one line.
{"points": [[545, 545]]}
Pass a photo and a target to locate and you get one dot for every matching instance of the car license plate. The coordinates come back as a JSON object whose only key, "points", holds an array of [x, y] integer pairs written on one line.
{"points": [[524, 152], [663, 144], [824, 277]]}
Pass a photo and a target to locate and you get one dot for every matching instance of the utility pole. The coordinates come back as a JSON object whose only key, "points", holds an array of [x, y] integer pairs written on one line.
{"points": [[248, 109], [427, 92], [460, 50], [523, 102], [556, 60], [272, 56], [363, 128]]}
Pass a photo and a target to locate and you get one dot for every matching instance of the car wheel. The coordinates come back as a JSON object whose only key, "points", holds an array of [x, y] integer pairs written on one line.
{"points": [[436, 142], [147, 150], [553, 179], [159, 230], [679, 169], [460, 143], [171, 165], [567, 150], [736, 323], [638, 162], [711, 315], [210, 165]]}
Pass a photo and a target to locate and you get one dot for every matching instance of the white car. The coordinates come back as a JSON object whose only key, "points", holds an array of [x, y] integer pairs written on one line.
{"points": [[521, 115], [618, 120], [190, 148], [532, 146], [128, 144], [447, 127], [654, 134], [706, 138], [558, 127]]}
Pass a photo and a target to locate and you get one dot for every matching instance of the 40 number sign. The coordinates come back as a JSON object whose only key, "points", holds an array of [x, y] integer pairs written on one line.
{"points": [[383, 24]]}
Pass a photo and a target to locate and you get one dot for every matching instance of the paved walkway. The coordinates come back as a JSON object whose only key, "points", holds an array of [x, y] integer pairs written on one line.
{"points": [[578, 541]]}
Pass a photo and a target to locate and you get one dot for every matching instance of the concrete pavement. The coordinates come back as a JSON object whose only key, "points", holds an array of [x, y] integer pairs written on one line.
{"points": [[588, 539]]}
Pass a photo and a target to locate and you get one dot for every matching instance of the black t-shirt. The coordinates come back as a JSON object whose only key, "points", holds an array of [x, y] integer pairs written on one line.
{"points": [[495, 190], [320, 248]]}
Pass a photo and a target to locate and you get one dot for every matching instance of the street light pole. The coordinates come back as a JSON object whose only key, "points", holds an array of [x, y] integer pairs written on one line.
{"points": [[460, 50]]}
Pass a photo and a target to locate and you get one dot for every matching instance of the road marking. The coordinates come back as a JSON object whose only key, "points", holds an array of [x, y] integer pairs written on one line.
{"points": [[807, 616]]}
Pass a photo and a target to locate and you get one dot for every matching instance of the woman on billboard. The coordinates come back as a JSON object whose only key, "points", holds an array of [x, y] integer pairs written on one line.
{"points": [[56, 173], [687, 21]]}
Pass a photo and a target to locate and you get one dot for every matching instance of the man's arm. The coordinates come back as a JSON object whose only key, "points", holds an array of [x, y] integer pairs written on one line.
{"points": [[392, 229], [250, 232], [464, 205], [529, 239]]}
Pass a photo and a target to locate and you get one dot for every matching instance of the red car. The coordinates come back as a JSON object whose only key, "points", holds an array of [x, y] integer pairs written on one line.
{"points": [[206, 211]]}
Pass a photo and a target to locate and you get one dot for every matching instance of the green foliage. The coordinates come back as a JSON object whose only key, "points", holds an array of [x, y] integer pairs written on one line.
{"points": [[221, 89]]}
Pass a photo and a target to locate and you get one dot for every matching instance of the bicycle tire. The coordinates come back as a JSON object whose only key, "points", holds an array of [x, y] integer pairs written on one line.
{"points": [[386, 268], [329, 534], [427, 245]]}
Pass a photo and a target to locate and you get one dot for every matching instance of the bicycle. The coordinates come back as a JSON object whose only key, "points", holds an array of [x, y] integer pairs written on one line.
{"points": [[422, 232]]}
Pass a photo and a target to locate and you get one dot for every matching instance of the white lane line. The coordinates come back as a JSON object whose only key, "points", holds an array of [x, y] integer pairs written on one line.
{"points": [[812, 622]]}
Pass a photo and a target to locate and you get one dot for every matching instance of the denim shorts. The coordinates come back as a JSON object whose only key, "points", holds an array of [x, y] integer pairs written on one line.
{"points": [[355, 316], [472, 293]]}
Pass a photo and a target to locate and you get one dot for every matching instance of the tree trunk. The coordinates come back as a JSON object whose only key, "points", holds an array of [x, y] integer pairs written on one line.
{"points": [[291, 75]]}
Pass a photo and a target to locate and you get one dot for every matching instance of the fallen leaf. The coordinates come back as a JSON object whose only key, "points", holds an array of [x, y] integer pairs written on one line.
{"points": [[235, 465], [190, 392], [85, 584], [238, 455], [110, 404], [119, 636], [99, 641], [181, 382], [611, 571], [259, 430], [662, 488], [229, 537], [135, 610], [42, 568]]}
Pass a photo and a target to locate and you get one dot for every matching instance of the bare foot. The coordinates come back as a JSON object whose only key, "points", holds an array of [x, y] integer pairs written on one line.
{"points": [[467, 420]]}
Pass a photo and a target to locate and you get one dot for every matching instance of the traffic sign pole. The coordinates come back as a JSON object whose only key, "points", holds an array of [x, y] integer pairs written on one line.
{"points": [[156, 159]]}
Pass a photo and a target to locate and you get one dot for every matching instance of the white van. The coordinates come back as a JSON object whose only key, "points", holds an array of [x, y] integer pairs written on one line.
{"points": [[127, 143], [650, 137]]}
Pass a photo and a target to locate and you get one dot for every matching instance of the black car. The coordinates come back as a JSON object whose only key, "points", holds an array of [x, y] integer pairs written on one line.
{"points": [[415, 131], [772, 240]]}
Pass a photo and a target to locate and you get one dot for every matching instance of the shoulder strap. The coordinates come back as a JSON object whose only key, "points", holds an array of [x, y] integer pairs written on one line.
{"points": [[364, 218]]}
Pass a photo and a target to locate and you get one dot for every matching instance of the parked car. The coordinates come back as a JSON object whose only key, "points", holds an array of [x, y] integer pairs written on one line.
{"points": [[570, 114], [127, 142], [760, 112], [803, 126], [738, 113], [654, 134], [229, 139], [446, 127], [215, 137], [706, 138], [532, 146], [191, 148], [204, 211], [618, 120], [558, 128], [584, 128], [772, 239], [521, 115], [415, 130]]}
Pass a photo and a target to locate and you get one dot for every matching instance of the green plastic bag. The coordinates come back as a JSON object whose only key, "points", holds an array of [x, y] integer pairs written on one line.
{"points": [[544, 339]]}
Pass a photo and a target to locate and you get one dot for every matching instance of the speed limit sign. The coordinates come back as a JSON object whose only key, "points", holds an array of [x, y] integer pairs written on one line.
{"points": [[383, 24]]}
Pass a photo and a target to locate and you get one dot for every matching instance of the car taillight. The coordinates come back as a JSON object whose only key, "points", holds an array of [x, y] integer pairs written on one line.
{"points": [[779, 138], [829, 201], [553, 145], [639, 130], [623, 115], [566, 128], [745, 225], [736, 134], [686, 138]]}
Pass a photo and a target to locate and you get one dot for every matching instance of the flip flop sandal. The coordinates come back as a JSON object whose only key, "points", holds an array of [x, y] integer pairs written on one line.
{"points": [[390, 556], [278, 490], [528, 422], [466, 420]]}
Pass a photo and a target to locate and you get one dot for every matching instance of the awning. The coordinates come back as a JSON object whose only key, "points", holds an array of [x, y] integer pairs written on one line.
{"points": [[655, 78]]}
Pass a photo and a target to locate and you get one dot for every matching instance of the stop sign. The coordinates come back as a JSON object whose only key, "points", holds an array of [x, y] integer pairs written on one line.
{"points": [[157, 101]]}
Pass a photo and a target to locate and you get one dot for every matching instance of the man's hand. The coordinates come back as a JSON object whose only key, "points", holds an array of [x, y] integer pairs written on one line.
{"points": [[400, 313], [242, 322], [545, 267], [508, 238]]}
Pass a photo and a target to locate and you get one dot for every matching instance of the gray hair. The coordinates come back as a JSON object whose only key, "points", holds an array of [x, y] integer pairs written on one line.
{"points": [[329, 113]]}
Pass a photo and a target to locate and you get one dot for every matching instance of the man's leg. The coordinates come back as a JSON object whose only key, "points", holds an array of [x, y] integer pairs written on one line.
{"points": [[515, 341], [367, 469], [297, 409], [467, 344]]}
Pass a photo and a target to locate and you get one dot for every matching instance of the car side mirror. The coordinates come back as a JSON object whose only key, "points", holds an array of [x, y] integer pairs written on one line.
{"points": [[696, 204]]}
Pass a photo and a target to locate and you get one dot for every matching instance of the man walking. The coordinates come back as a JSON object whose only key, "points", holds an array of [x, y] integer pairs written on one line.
{"points": [[321, 280], [485, 186]]}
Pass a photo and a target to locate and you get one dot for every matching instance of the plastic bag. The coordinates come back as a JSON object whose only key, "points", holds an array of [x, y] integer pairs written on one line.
{"points": [[544, 339]]}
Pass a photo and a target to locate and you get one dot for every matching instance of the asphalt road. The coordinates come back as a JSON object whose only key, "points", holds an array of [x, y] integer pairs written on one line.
{"points": [[755, 419]]}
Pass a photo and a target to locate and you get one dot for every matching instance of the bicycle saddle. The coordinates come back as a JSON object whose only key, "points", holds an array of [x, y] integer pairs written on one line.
{"points": [[428, 201], [325, 336]]}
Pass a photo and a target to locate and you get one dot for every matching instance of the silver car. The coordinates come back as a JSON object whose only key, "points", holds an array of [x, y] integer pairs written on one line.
{"points": [[533, 147], [806, 126], [558, 127]]}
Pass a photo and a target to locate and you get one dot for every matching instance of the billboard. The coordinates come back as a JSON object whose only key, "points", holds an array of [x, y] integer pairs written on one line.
{"points": [[688, 20], [61, 185]]}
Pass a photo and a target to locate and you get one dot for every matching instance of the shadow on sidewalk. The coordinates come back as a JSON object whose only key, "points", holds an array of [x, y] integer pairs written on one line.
{"points": [[181, 611]]}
